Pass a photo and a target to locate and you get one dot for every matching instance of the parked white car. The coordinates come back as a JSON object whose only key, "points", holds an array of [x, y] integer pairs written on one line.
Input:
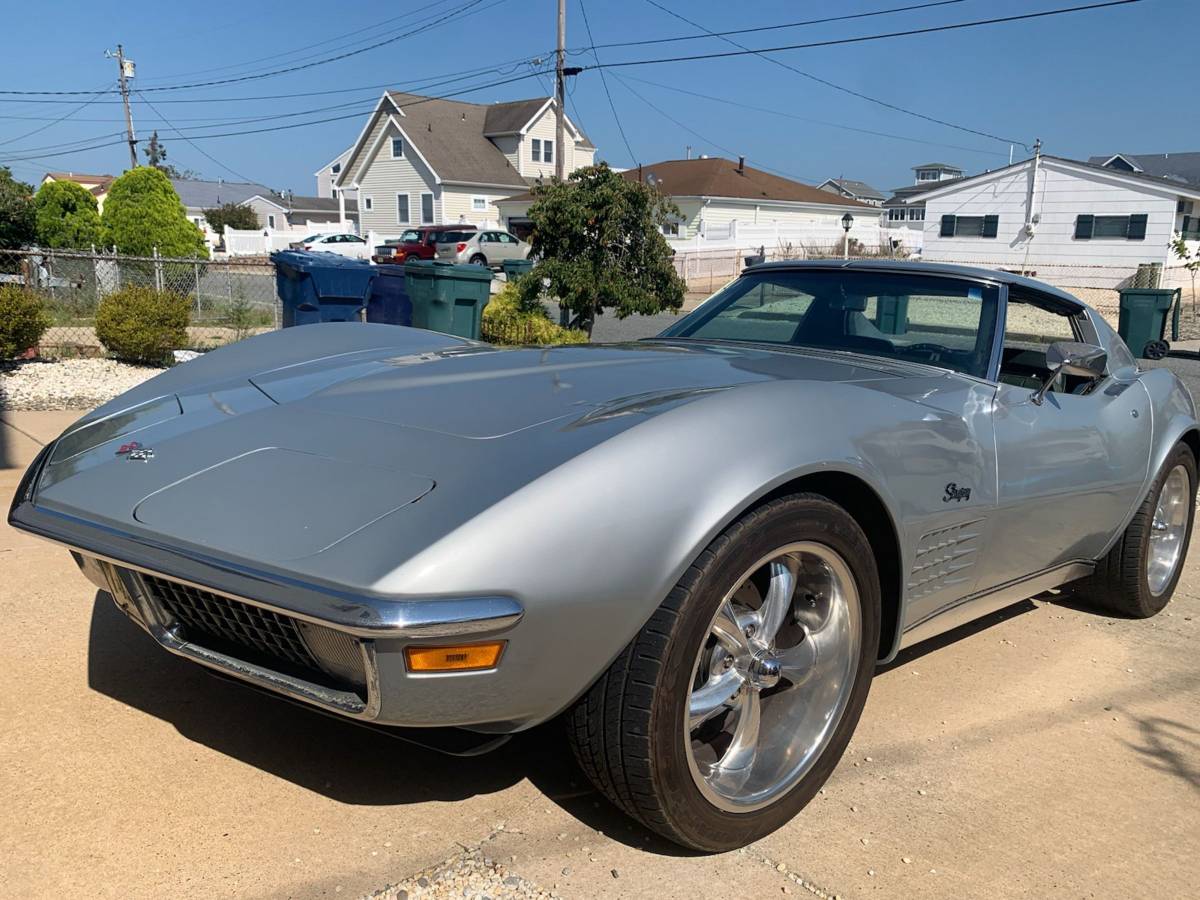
{"points": [[344, 244], [481, 248]]}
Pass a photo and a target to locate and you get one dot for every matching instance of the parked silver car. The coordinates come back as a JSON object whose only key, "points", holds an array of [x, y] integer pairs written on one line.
{"points": [[481, 248], [696, 548]]}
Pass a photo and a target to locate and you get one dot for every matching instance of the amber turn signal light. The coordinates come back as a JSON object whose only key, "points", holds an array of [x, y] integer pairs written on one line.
{"points": [[459, 658]]}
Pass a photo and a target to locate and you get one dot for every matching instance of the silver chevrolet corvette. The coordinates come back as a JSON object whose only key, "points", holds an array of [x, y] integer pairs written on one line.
{"points": [[695, 548]]}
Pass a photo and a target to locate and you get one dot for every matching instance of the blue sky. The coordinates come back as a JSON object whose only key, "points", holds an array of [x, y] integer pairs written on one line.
{"points": [[1087, 83]]}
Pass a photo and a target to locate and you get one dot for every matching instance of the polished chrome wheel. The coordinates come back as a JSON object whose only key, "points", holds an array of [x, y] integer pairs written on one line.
{"points": [[1167, 530], [774, 676]]}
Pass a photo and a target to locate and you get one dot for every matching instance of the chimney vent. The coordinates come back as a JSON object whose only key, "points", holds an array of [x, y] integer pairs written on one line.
{"points": [[741, 165]]}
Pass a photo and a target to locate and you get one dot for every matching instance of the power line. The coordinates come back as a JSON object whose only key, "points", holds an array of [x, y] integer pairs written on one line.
{"points": [[697, 134], [457, 13], [786, 115], [191, 144], [375, 27], [54, 122], [501, 68], [760, 28], [604, 81], [745, 51], [417, 102]]}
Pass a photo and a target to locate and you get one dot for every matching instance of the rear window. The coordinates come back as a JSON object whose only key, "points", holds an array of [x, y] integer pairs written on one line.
{"points": [[946, 322], [454, 237]]}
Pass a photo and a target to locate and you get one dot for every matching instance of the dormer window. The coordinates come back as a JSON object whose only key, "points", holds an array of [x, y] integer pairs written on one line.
{"points": [[337, 167], [927, 175]]}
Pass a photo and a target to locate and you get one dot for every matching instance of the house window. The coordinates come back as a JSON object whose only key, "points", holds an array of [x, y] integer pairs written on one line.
{"points": [[536, 144], [969, 226], [1131, 228], [670, 229], [927, 175], [548, 151], [333, 193], [427, 209], [1190, 228], [397, 148], [367, 204], [479, 204], [271, 222], [896, 214], [402, 209], [916, 213], [337, 167]]}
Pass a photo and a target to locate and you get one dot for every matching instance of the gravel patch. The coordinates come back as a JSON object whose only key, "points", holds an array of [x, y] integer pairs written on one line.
{"points": [[469, 875], [67, 383]]}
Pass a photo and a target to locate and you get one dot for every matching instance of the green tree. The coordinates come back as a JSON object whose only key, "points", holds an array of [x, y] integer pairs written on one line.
{"points": [[599, 244], [155, 151], [66, 215], [17, 222], [231, 215], [142, 211], [1191, 262]]}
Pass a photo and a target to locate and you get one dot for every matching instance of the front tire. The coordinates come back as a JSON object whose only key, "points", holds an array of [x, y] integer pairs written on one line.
{"points": [[733, 704], [1139, 574]]}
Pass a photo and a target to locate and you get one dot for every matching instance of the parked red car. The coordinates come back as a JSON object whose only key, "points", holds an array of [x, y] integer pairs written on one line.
{"points": [[415, 243]]}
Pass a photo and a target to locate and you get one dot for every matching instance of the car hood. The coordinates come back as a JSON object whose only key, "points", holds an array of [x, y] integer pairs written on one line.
{"points": [[384, 447]]}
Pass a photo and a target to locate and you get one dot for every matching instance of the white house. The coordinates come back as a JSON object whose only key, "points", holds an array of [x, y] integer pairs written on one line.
{"points": [[727, 203], [855, 190], [904, 212], [328, 173], [423, 160], [96, 185], [1050, 211]]}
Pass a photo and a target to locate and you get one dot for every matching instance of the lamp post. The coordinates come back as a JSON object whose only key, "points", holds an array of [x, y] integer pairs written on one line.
{"points": [[847, 224]]}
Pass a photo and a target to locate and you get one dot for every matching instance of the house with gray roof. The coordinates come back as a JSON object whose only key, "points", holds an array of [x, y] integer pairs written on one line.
{"points": [[278, 212], [853, 190], [1183, 168], [424, 160]]}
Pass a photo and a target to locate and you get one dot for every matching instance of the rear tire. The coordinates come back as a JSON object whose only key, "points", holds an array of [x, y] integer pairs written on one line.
{"points": [[645, 733], [1139, 574], [478, 260]]}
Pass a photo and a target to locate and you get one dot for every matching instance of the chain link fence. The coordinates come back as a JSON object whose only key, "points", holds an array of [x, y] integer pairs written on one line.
{"points": [[230, 299]]}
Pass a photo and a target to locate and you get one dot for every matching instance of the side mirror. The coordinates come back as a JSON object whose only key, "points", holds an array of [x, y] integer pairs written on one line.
{"points": [[1071, 358]]}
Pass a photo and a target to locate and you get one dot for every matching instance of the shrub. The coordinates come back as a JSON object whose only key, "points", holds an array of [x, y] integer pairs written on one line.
{"points": [[142, 212], [23, 320], [66, 215], [143, 325], [506, 322]]}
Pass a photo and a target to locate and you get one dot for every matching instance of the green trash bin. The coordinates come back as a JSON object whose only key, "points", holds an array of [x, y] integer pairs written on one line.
{"points": [[1143, 320], [447, 297], [515, 268]]}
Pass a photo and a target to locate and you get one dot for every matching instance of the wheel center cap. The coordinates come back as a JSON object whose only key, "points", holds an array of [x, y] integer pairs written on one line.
{"points": [[764, 672]]}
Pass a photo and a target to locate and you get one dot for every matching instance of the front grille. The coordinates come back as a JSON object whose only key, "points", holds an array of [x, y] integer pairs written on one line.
{"points": [[260, 636]]}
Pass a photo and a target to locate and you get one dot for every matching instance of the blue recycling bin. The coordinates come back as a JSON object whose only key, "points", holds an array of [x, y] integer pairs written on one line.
{"points": [[321, 287], [389, 303]]}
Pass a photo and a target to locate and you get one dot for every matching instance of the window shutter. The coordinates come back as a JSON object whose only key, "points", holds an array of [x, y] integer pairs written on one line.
{"points": [[1083, 228], [1137, 228], [991, 224], [947, 226]]}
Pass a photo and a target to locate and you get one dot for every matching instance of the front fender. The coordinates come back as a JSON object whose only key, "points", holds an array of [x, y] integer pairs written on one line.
{"points": [[591, 548]]}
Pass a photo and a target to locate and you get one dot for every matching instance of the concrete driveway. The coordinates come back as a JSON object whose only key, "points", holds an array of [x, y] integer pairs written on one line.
{"points": [[1045, 751]]}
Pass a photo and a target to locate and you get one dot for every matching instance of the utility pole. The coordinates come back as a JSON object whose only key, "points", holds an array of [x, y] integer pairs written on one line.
{"points": [[560, 99], [125, 71]]}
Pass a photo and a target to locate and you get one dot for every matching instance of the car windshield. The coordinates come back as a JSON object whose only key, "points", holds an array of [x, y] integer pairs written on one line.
{"points": [[941, 321]]}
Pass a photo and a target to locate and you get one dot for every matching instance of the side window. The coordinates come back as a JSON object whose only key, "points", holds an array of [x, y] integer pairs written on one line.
{"points": [[1031, 325]]}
